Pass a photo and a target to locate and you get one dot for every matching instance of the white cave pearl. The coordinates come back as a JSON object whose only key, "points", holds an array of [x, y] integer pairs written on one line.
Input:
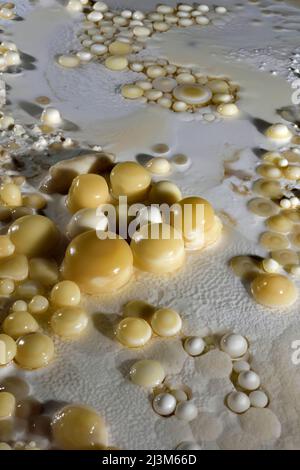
{"points": [[234, 345], [186, 410], [249, 380], [164, 404], [258, 399], [238, 402], [194, 345]]}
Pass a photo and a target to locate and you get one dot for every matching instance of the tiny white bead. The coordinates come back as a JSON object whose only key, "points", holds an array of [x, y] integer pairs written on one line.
{"points": [[186, 411], [95, 16], [282, 162], [270, 265], [194, 345], [100, 6], [51, 116], [203, 8], [258, 399], [221, 10], [234, 344], [285, 203], [294, 202], [249, 380], [238, 402], [164, 404], [202, 20]]}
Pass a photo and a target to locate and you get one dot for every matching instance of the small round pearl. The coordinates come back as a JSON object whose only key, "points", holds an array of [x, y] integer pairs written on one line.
{"points": [[285, 203], [186, 410], [194, 345], [164, 404], [51, 117], [233, 344], [249, 380], [166, 322], [258, 399], [238, 402], [270, 265], [240, 366]]}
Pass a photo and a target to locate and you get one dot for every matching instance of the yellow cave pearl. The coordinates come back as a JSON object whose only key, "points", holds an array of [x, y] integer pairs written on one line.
{"points": [[65, 294], [78, 427], [87, 191], [98, 265], [166, 322], [69, 322], [196, 219], [17, 324], [8, 349], [7, 248], [7, 405], [34, 351], [147, 373], [130, 179], [138, 308], [158, 248], [34, 235], [273, 290], [165, 192], [133, 332]]}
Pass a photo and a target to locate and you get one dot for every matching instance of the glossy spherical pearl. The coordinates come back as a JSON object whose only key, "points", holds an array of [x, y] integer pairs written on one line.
{"points": [[7, 405], [273, 290], [69, 322], [86, 219], [34, 235], [249, 380], [159, 166], [166, 322], [133, 332], [51, 116], [65, 294], [234, 345], [131, 92], [38, 305], [34, 351], [165, 192], [17, 324], [228, 109], [270, 265], [186, 411], [147, 373], [98, 265], [238, 402], [87, 191], [78, 427], [7, 248], [158, 248], [164, 404], [193, 94], [10, 194], [130, 179], [19, 306], [8, 349], [194, 345], [258, 399], [68, 61], [279, 132], [7, 286], [116, 63]]}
